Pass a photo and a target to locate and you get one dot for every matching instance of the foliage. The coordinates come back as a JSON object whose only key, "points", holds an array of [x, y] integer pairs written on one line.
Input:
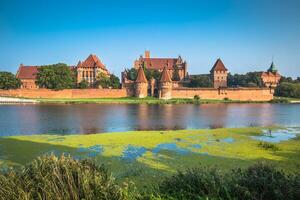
{"points": [[260, 181], [49, 177], [196, 97], [201, 81], [251, 79], [149, 73], [106, 81], [58, 76], [83, 84], [268, 146], [286, 89], [9, 81], [289, 80]]}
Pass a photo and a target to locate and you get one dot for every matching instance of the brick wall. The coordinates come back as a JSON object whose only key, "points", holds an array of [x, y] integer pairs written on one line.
{"points": [[69, 93], [243, 94]]}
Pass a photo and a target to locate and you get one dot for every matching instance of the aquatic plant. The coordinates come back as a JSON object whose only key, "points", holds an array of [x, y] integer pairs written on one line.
{"points": [[268, 146]]}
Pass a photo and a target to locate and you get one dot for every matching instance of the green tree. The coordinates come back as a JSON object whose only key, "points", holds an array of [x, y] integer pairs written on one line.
{"points": [[115, 81], [105, 81], [250, 79], [83, 84], [201, 81], [9, 81], [286, 89], [131, 74], [58, 76]]}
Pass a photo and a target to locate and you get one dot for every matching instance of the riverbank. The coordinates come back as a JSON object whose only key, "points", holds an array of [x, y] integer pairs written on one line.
{"points": [[146, 155], [147, 100]]}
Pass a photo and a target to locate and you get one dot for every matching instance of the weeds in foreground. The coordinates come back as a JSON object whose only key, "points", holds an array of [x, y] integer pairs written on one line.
{"points": [[64, 178]]}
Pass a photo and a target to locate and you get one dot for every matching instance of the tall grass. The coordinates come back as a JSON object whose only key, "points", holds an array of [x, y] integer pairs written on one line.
{"points": [[49, 177], [64, 178]]}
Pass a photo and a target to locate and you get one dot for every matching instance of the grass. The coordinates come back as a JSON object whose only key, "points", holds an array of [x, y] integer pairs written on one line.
{"points": [[147, 100], [182, 149]]}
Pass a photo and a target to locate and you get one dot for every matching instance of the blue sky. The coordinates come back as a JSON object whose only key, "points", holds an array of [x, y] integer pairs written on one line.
{"points": [[244, 34]]}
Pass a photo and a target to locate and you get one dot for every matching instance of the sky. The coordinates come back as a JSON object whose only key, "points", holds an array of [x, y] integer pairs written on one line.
{"points": [[245, 34]]}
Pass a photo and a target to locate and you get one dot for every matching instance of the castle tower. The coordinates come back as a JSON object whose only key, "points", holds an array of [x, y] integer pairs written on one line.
{"points": [[219, 74], [165, 85], [141, 84], [271, 78], [147, 54]]}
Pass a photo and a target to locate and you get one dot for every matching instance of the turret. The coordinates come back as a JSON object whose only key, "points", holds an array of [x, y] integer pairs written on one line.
{"points": [[165, 85], [219, 74], [141, 84]]}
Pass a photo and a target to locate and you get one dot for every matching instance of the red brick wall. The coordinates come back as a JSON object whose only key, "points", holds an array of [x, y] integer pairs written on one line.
{"points": [[69, 93], [243, 94]]}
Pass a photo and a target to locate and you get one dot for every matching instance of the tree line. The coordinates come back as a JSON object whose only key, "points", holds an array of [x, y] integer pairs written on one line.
{"points": [[57, 77]]}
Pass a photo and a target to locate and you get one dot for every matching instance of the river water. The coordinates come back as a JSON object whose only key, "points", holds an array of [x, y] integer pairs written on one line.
{"points": [[98, 118]]}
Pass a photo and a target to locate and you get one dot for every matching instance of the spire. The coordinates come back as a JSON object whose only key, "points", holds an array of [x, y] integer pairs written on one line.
{"points": [[272, 68], [141, 78], [218, 66], [165, 76]]}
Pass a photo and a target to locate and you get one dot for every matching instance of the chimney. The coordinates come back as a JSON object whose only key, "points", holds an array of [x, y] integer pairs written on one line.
{"points": [[147, 54]]}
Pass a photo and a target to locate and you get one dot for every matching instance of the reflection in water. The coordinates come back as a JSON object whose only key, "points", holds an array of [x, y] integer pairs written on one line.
{"points": [[95, 118]]}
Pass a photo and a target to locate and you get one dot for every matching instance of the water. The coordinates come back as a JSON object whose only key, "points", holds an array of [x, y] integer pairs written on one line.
{"points": [[96, 118]]}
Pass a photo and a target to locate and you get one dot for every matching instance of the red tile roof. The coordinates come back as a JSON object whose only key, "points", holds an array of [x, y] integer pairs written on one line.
{"points": [[219, 66], [160, 63], [165, 76], [92, 61], [141, 77], [27, 72]]}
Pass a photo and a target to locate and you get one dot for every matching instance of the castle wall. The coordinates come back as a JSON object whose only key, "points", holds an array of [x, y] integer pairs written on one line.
{"points": [[68, 93], [242, 94]]}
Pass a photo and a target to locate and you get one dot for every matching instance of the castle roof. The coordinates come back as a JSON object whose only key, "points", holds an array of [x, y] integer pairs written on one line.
{"points": [[160, 63], [165, 76], [93, 62], [27, 72], [218, 66], [141, 77], [272, 68]]}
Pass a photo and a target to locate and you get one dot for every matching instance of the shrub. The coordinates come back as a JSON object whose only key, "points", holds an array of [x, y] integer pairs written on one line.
{"points": [[288, 90], [196, 97], [226, 99], [268, 146], [258, 182], [203, 182], [49, 177]]}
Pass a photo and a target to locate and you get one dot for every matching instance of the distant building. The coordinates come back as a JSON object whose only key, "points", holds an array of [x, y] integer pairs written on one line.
{"points": [[87, 70], [173, 65], [271, 77], [27, 75], [219, 74], [90, 69]]}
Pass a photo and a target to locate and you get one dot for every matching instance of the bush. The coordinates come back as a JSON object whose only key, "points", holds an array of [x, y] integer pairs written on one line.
{"points": [[196, 97], [49, 177], [9, 81], [258, 182], [268, 146]]}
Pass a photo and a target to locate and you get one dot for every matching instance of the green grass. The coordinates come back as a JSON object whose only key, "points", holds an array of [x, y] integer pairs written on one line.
{"points": [[133, 100], [16, 151]]}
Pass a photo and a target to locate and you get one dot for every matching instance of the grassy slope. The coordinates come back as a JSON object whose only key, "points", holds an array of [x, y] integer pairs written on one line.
{"points": [[19, 150]]}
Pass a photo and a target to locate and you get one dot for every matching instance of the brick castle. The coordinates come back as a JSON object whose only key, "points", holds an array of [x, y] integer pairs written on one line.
{"points": [[165, 88]]}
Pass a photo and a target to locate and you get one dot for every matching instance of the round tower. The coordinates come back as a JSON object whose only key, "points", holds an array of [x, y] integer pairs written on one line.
{"points": [[141, 84], [165, 85]]}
